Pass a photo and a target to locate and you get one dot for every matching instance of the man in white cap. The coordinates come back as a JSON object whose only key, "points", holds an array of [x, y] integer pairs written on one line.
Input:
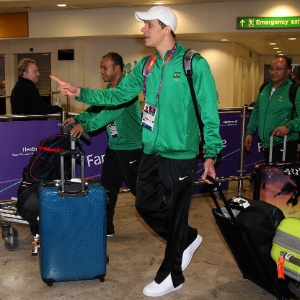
{"points": [[170, 137]]}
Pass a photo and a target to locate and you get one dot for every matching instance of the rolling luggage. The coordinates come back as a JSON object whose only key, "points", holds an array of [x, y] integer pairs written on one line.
{"points": [[43, 165], [278, 184], [72, 220], [286, 247], [248, 228]]}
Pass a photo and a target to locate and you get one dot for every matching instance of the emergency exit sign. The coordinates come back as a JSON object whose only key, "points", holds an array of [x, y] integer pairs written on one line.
{"points": [[267, 22]]}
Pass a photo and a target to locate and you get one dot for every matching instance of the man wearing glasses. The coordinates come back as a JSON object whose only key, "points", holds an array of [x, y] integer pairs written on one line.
{"points": [[274, 113]]}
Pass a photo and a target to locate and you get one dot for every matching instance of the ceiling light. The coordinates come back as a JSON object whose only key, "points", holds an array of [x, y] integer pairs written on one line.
{"points": [[158, 3], [292, 39], [224, 40], [278, 51], [276, 48], [272, 44], [62, 5]]}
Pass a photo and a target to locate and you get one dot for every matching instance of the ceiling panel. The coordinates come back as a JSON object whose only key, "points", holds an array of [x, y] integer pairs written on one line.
{"points": [[257, 42]]}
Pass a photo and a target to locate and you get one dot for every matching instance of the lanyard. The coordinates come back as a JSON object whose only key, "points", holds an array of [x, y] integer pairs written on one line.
{"points": [[150, 67]]}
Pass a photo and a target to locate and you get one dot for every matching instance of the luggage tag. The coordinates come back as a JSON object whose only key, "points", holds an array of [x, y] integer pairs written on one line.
{"points": [[149, 115], [239, 203], [280, 267]]}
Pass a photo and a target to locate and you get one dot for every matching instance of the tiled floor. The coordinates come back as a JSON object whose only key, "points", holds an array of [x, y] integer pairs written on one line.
{"points": [[135, 255]]}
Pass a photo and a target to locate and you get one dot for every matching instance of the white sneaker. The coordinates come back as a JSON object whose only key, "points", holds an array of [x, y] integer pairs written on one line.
{"points": [[189, 251], [154, 289], [35, 245]]}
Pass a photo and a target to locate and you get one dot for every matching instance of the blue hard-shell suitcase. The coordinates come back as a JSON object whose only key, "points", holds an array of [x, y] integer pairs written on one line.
{"points": [[72, 218]]}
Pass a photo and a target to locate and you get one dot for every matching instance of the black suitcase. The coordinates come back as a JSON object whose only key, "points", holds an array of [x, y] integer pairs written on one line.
{"points": [[248, 232]]}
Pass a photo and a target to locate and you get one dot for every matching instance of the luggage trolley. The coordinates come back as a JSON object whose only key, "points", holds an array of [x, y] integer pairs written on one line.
{"points": [[9, 214]]}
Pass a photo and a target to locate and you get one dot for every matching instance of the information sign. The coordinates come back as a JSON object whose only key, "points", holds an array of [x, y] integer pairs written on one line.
{"points": [[267, 22]]}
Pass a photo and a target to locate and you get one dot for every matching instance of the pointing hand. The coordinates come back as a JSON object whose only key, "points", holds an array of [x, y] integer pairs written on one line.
{"points": [[66, 88]]}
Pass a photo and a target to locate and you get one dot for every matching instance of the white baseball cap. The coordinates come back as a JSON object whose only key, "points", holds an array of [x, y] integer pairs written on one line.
{"points": [[162, 13]]}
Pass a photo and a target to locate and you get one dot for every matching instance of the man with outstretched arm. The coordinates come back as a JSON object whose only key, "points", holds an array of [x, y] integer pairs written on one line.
{"points": [[170, 138]]}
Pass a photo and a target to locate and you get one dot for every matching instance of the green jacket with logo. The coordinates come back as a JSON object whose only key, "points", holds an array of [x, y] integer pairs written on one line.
{"points": [[270, 112], [127, 119], [175, 133]]}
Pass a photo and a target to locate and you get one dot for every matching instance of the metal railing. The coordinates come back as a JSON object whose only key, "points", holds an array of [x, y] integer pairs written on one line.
{"points": [[52, 96], [241, 171], [244, 114]]}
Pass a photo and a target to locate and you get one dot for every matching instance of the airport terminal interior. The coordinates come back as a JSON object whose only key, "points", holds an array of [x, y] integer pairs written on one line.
{"points": [[239, 60], [135, 253]]}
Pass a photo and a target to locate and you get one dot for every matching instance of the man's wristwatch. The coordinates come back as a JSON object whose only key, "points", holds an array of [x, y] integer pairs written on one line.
{"points": [[214, 159]]}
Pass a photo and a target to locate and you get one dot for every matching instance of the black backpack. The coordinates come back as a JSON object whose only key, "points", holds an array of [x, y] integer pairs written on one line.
{"points": [[44, 165], [28, 203]]}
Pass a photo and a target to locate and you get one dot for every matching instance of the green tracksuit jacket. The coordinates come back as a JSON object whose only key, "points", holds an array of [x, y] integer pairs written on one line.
{"points": [[176, 132], [270, 112], [127, 119]]}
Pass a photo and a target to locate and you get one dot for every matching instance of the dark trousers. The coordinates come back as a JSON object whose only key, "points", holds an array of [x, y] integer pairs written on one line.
{"points": [[291, 151], [171, 180], [119, 166]]}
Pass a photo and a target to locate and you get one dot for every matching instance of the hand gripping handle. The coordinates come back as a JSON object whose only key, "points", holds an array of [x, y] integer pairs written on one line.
{"points": [[212, 194]]}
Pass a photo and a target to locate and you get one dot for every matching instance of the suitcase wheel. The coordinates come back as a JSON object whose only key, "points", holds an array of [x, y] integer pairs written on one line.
{"points": [[12, 244], [100, 277], [10, 236], [15, 232], [49, 282], [294, 286]]}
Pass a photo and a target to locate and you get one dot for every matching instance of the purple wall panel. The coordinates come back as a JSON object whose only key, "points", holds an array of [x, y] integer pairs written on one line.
{"points": [[21, 138]]}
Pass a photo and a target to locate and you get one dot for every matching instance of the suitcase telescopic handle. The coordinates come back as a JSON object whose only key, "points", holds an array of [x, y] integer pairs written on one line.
{"points": [[66, 130], [62, 166], [222, 196], [289, 257], [271, 148], [84, 135]]}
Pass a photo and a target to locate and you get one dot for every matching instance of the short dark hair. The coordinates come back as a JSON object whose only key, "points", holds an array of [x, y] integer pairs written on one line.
{"points": [[163, 25], [23, 65], [288, 61], [116, 58]]}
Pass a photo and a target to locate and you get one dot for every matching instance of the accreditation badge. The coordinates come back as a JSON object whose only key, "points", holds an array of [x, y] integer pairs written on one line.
{"points": [[113, 129], [149, 115]]}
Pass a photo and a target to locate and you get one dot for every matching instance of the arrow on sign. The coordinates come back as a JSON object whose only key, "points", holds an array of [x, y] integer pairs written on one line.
{"points": [[242, 22]]}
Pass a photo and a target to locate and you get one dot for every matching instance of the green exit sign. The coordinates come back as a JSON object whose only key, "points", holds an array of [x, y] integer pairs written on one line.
{"points": [[267, 22]]}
